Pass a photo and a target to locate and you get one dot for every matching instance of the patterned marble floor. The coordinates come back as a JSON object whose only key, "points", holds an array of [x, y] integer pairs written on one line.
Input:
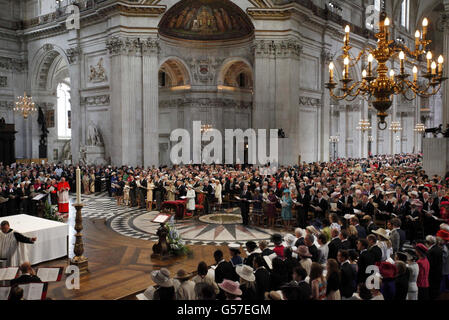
{"points": [[136, 223]]}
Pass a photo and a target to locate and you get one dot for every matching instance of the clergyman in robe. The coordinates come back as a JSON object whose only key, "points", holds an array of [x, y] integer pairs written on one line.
{"points": [[11, 245]]}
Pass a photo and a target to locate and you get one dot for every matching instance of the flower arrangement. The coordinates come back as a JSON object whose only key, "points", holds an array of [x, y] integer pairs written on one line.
{"points": [[177, 245], [50, 213]]}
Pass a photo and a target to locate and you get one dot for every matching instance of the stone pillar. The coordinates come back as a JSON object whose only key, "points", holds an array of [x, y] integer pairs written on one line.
{"points": [[445, 86], [78, 120], [325, 124], [276, 94], [126, 100], [150, 67], [343, 129]]}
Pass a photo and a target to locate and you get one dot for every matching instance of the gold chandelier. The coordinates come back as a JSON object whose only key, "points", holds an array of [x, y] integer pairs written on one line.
{"points": [[383, 83], [395, 126], [25, 105], [364, 125], [420, 128]]}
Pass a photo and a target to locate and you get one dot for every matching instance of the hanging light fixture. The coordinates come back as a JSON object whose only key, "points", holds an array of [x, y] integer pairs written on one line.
{"points": [[395, 126], [383, 83], [364, 125], [420, 128], [25, 105]]}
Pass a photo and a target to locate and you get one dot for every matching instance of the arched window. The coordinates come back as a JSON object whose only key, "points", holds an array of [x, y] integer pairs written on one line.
{"points": [[405, 14], [63, 111]]}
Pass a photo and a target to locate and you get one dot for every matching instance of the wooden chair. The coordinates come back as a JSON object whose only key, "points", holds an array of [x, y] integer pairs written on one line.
{"points": [[199, 208]]}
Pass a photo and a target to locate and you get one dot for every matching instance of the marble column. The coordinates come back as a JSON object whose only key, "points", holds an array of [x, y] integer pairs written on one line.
{"points": [[150, 67], [445, 86], [126, 100], [325, 123], [78, 120]]}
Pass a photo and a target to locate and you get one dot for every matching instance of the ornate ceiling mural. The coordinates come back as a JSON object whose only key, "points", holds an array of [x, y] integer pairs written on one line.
{"points": [[206, 20]]}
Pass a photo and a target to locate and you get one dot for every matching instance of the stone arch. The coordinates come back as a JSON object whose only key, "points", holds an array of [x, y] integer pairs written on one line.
{"points": [[42, 62], [232, 68], [177, 71]]}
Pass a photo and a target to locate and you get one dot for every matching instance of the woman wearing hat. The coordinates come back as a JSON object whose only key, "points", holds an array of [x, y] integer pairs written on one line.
{"points": [[186, 289], [278, 246], [231, 289], [423, 275], [384, 243], [164, 288], [444, 236], [247, 282], [270, 208], [304, 258], [286, 212]]}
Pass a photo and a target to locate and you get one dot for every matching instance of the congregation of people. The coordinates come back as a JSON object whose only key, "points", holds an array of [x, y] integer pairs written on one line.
{"points": [[346, 224]]}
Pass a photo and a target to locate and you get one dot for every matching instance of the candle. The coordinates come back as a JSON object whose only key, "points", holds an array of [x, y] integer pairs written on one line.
{"points": [[346, 63], [417, 38], [392, 75], [370, 64], [364, 74], [440, 65], [387, 24], [415, 74], [347, 30], [429, 61], [434, 68], [425, 23], [78, 186], [401, 58], [331, 72]]}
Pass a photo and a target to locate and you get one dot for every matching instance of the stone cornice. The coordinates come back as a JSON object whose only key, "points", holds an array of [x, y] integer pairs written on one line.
{"points": [[100, 100], [118, 45], [289, 48], [17, 65]]}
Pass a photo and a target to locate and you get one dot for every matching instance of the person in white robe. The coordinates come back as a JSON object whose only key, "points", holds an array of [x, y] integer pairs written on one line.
{"points": [[12, 248], [190, 196]]}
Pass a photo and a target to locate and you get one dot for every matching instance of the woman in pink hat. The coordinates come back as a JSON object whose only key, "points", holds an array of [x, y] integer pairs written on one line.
{"points": [[231, 289]]}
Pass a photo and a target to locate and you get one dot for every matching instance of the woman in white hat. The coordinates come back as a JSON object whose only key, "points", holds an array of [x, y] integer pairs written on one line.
{"points": [[164, 287], [190, 196], [247, 282], [384, 243]]}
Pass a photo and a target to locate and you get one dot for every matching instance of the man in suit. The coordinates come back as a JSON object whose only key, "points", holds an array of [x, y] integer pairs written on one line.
{"points": [[245, 196], [347, 275], [334, 244], [366, 207], [374, 249], [308, 241], [397, 235], [345, 243], [223, 270], [262, 277], [361, 231], [435, 257], [28, 275], [209, 197], [303, 208], [251, 246], [365, 260], [345, 203]]}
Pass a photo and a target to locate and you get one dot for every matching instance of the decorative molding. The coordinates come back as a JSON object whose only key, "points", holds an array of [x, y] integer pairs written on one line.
{"points": [[150, 46], [289, 48], [73, 54], [204, 69], [327, 56], [205, 103], [100, 100], [48, 47], [3, 82], [12, 64], [6, 104], [309, 101]]}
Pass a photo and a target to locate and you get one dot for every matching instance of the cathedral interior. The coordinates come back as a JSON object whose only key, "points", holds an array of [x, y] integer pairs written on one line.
{"points": [[112, 79]]}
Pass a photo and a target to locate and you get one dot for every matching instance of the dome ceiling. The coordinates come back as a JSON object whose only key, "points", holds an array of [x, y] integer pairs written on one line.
{"points": [[206, 20]]}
